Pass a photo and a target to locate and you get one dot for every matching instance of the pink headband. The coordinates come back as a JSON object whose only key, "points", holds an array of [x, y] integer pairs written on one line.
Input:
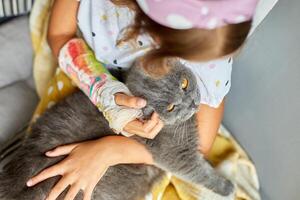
{"points": [[206, 14]]}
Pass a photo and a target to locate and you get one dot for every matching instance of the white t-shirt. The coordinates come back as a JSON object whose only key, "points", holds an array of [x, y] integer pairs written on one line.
{"points": [[102, 24]]}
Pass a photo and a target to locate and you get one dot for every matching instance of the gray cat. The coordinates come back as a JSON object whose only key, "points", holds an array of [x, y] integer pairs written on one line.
{"points": [[175, 97]]}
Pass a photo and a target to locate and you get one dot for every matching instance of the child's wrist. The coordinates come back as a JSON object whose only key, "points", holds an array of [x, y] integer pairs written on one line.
{"points": [[117, 116], [122, 150], [109, 147]]}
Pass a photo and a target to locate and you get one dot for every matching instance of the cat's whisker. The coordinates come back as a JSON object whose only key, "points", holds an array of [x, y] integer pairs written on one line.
{"points": [[175, 132], [178, 133], [184, 131], [180, 136]]}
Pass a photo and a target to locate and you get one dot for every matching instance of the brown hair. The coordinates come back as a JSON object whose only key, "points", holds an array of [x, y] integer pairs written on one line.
{"points": [[191, 44]]}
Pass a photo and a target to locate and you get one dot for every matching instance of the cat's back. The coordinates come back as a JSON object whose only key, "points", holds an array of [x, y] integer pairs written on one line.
{"points": [[74, 119]]}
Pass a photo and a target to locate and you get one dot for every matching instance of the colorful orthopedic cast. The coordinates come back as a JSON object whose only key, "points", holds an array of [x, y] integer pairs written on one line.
{"points": [[78, 61]]}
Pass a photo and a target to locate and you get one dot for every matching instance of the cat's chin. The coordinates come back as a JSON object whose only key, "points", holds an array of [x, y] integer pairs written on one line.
{"points": [[187, 117]]}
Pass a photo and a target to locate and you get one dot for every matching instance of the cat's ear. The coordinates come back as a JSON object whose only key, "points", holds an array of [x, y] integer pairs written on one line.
{"points": [[147, 112]]}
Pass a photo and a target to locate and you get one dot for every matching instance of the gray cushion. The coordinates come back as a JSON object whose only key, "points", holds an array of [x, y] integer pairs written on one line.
{"points": [[15, 52], [17, 102], [263, 108], [17, 96]]}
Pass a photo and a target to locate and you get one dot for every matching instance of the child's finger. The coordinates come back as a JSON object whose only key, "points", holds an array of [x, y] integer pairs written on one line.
{"points": [[45, 174], [88, 190], [156, 129], [73, 191], [150, 124], [129, 101], [88, 193], [138, 128], [58, 188], [61, 150], [135, 127]]}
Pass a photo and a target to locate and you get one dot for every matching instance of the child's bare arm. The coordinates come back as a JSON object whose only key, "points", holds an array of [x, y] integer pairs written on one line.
{"points": [[63, 24], [209, 120]]}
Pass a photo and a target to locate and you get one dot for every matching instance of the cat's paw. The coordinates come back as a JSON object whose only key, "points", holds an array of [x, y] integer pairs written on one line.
{"points": [[225, 188], [206, 194]]}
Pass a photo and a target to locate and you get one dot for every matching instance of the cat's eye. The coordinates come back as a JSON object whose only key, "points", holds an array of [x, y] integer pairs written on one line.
{"points": [[184, 83], [170, 107]]}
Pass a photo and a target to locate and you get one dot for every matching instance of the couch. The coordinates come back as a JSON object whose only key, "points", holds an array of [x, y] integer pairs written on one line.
{"points": [[17, 94]]}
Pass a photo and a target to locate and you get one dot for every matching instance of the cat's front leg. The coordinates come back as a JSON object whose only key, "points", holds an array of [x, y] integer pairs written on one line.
{"points": [[192, 167]]}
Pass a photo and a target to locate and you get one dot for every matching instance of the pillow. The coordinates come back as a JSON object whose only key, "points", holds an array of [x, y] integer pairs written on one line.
{"points": [[9, 8], [17, 103], [15, 52]]}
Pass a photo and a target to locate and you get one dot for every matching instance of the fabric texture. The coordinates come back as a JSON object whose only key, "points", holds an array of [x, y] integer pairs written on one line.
{"points": [[187, 14], [17, 103], [17, 96], [5, 19], [227, 156], [15, 51], [10, 8], [44, 64]]}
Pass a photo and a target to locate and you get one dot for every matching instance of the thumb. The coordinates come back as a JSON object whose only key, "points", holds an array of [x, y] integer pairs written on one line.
{"points": [[61, 150], [129, 101]]}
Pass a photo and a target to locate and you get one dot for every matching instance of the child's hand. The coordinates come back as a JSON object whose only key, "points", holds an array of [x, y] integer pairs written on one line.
{"points": [[87, 162], [77, 169], [147, 129]]}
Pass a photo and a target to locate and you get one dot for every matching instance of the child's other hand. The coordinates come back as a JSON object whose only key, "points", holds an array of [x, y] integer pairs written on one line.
{"points": [[81, 169], [147, 129]]}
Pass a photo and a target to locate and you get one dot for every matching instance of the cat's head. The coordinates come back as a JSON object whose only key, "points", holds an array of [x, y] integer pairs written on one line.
{"points": [[174, 96]]}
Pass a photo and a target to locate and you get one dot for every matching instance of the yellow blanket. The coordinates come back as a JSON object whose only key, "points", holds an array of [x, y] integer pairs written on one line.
{"points": [[226, 155]]}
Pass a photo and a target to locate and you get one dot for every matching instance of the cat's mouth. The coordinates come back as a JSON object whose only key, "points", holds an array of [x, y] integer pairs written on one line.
{"points": [[193, 108], [188, 116]]}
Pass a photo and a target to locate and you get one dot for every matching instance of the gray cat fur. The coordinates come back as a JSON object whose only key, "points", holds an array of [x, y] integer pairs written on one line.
{"points": [[76, 119]]}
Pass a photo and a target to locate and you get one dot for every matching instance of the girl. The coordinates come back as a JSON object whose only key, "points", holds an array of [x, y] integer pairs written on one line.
{"points": [[202, 34]]}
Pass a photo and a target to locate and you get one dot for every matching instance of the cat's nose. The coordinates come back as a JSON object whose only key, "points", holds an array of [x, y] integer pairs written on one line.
{"points": [[147, 112], [193, 108], [195, 105]]}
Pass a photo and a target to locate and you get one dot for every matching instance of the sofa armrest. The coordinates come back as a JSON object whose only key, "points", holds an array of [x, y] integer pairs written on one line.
{"points": [[16, 51]]}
